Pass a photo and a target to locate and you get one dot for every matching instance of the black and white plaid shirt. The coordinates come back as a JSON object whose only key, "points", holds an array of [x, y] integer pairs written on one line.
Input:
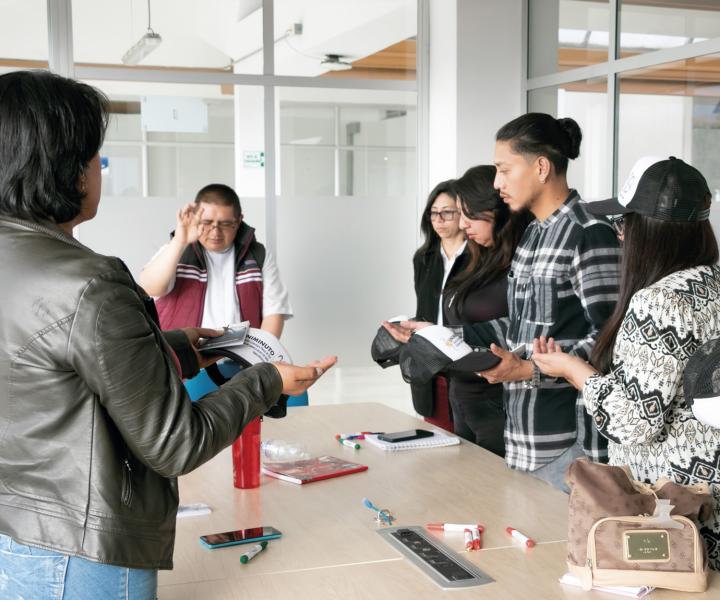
{"points": [[563, 284]]}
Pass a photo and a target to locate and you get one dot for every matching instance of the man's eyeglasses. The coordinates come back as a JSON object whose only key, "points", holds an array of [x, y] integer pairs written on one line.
{"points": [[443, 215], [219, 224], [618, 224]]}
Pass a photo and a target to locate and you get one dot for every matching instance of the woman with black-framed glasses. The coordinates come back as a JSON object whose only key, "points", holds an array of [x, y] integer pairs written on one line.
{"points": [[478, 294], [435, 263]]}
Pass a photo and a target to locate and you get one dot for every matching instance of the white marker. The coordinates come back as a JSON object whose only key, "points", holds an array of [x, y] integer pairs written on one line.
{"points": [[520, 536]]}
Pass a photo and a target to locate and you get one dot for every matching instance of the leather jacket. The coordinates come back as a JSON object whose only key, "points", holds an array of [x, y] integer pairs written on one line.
{"points": [[95, 423]]}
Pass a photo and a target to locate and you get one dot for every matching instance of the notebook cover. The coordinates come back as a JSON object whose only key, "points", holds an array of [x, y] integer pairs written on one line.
{"points": [[312, 469]]}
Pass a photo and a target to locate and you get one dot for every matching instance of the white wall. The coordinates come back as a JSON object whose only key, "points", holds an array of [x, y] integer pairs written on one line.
{"points": [[653, 125], [346, 259], [442, 101], [489, 75], [476, 81], [131, 228], [347, 264]]}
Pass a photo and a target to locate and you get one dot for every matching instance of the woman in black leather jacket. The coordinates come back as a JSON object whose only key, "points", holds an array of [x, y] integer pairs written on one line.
{"points": [[95, 423]]}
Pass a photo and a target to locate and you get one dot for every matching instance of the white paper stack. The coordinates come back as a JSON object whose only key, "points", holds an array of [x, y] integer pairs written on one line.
{"points": [[193, 510], [618, 590]]}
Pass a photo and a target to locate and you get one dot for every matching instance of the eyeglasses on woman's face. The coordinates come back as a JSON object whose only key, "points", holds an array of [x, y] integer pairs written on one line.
{"points": [[443, 215], [618, 224]]}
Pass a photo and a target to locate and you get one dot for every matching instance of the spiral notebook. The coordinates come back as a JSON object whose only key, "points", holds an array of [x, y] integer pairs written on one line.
{"points": [[436, 441]]}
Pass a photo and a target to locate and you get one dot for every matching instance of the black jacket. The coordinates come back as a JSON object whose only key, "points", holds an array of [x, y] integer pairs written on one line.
{"points": [[428, 270], [95, 423]]}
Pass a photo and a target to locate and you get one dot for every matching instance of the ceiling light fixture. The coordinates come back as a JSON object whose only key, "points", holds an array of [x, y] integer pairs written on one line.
{"points": [[144, 46], [334, 62]]}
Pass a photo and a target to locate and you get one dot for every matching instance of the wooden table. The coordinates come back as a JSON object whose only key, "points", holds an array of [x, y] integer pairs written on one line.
{"points": [[330, 548]]}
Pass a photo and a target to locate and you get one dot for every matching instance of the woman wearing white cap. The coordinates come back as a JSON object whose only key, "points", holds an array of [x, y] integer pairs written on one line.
{"points": [[669, 305]]}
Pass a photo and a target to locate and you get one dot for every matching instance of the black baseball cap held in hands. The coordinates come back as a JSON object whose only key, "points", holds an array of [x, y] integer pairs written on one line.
{"points": [[665, 189]]}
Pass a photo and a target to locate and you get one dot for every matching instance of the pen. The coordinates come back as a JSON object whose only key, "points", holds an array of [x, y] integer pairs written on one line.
{"points": [[255, 550], [357, 434], [349, 444], [520, 536], [455, 526]]}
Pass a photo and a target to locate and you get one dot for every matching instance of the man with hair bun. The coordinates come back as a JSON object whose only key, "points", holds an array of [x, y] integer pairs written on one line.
{"points": [[563, 283], [214, 272]]}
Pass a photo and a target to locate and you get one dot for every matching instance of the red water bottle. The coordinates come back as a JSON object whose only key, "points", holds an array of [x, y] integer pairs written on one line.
{"points": [[246, 456]]}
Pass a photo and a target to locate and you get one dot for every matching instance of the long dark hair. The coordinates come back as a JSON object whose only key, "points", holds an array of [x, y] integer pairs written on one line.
{"points": [[432, 239], [653, 249], [476, 194], [540, 134], [50, 129]]}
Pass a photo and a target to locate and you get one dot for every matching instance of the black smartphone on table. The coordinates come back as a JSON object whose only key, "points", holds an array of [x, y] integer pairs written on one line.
{"points": [[404, 436], [239, 536]]}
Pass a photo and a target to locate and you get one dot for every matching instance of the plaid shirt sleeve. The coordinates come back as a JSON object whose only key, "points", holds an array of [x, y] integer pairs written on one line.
{"points": [[488, 332], [595, 275]]}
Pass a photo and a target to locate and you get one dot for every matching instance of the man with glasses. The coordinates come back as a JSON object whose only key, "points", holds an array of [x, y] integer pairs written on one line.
{"points": [[214, 272]]}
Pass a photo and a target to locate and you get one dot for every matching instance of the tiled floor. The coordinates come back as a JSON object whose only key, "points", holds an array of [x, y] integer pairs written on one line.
{"points": [[345, 385]]}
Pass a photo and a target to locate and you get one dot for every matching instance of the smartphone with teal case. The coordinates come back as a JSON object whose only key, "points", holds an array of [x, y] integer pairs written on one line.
{"points": [[239, 536]]}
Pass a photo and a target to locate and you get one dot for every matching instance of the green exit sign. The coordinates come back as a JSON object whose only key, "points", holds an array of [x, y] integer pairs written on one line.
{"points": [[253, 159]]}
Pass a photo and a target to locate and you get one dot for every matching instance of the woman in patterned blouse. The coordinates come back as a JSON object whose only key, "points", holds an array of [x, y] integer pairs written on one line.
{"points": [[669, 305]]}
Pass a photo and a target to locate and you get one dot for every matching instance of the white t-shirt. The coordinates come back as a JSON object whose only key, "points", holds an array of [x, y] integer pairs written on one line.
{"points": [[448, 263], [221, 302]]}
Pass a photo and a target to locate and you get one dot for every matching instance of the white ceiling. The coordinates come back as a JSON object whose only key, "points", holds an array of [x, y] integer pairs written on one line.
{"points": [[213, 33]]}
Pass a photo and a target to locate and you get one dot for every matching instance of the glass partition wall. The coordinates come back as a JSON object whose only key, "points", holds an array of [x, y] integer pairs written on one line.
{"points": [[641, 77], [309, 108]]}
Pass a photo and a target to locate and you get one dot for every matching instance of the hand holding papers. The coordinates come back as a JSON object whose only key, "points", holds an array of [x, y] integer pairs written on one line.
{"points": [[233, 335]]}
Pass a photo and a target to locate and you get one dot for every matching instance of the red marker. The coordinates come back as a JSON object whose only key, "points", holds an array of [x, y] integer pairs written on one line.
{"points": [[455, 526], [476, 541], [521, 537], [468, 540]]}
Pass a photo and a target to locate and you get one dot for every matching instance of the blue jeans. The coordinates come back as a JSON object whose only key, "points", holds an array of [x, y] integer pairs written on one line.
{"points": [[554, 472], [30, 573]]}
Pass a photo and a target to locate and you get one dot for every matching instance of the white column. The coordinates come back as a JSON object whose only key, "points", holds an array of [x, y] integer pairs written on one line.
{"points": [[489, 75], [442, 100], [60, 37], [476, 80]]}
